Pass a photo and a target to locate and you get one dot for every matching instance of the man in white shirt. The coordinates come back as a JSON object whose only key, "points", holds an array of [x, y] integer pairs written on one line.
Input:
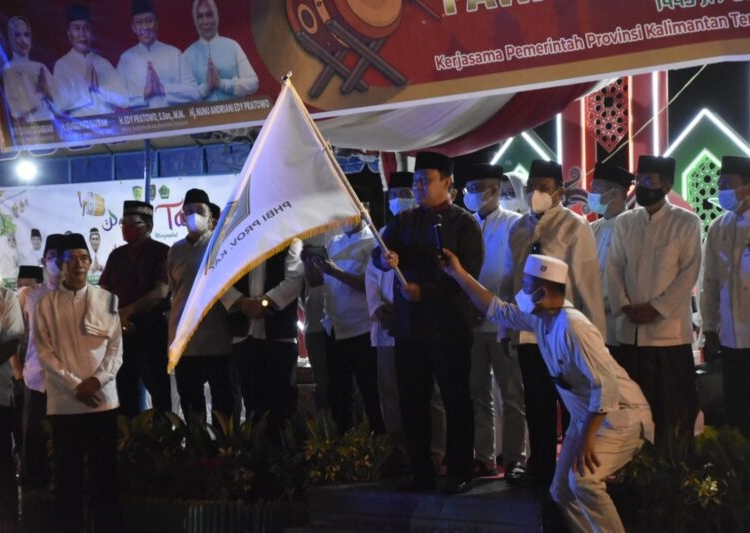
{"points": [[11, 334], [724, 302], [491, 353], [551, 229], [219, 64], [652, 267], [79, 343], [155, 74], [609, 414], [35, 470], [346, 321], [265, 354], [608, 196], [87, 84]]}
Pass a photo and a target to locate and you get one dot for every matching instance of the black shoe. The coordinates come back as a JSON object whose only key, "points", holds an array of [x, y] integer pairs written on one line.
{"points": [[529, 479], [457, 486], [484, 470], [514, 471], [417, 485]]}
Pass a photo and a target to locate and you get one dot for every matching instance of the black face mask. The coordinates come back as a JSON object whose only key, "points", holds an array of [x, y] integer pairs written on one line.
{"points": [[646, 197]]}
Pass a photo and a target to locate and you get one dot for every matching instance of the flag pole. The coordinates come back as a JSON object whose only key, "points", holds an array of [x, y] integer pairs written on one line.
{"points": [[345, 182]]}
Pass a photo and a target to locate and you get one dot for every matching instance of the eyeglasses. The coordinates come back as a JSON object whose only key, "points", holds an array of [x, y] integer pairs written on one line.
{"points": [[474, 188], [131, 223], [536, 248]]}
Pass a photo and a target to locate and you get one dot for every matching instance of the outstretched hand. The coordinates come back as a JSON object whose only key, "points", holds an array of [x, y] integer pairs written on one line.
{"points": [[450, 263]]}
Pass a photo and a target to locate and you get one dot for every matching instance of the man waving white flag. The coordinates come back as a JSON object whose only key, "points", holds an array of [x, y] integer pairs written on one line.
{"points": [[291, 186]]}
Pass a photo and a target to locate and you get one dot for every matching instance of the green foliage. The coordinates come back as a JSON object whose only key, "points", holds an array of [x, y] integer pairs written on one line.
{"points": [[685, 485], [356, 456], [163, 456]]}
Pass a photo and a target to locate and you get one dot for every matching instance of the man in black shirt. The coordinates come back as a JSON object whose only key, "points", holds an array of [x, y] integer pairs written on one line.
{"points": [[432, 324]]}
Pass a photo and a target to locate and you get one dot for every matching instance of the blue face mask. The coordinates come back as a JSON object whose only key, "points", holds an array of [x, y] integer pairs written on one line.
{"points": [[595, 203], [728, 200]]}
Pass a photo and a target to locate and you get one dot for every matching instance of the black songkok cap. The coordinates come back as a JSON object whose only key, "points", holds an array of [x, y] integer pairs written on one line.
{"points": [[196, 196], [143, 6], [78, 12], [546, 169], [30, 271], [52, 242], [613, 173], [36, 233], [215, 210], [94, 230], [134, 207], [478, 171], [652, 164], [731, 164], [401, 179], [72, 241], [434, 160]]}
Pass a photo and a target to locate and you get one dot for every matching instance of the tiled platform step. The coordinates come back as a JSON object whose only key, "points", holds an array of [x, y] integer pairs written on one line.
{"points": [[378, 507]]}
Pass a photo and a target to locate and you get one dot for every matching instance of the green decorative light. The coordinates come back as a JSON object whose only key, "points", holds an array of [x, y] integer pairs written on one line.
{"points": [[701, 186]]}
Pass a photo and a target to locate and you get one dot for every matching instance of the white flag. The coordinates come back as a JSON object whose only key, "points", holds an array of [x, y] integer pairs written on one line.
{"points": [[290, 186]]}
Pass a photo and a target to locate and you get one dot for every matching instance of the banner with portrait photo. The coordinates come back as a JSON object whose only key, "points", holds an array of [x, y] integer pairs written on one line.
{"points": [[29, 214], [110, 71]]}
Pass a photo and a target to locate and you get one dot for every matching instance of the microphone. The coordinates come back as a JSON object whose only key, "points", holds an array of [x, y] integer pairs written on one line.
{"points": [[437, 229]]}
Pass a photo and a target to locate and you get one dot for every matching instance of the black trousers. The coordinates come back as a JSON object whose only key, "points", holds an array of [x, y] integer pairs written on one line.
{"points": [[8, 487], [419, 362], [267, 376], [735, 369], [346, 360], [666, 375], [191, 375], [35, 468], [85, 463], [144, 358], [542, 403]]}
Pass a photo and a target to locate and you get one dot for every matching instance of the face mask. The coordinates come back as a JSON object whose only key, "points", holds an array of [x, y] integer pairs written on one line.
{"points": [[728, 200], [595, 203], [525, 302], [197, 223], [130, 233], [397, 205], [52, 267], [646, 197], [473, 201], [511, 204], [540, 202]]}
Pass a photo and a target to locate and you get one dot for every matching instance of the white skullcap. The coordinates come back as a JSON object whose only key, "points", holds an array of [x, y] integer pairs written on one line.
{"points": [[546, 267]]}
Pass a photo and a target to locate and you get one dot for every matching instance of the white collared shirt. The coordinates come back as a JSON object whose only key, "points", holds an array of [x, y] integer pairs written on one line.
{"points": [[655, 259], [725, 296], [68, 355], [564, 235], [603, 230], [74, 94], [344, 308], [11, 328], [171, 67]]}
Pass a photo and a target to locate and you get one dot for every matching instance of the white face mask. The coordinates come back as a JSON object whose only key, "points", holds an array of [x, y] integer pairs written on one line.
{"points": [[511, 204], [197, 223], [540, 202], [525, 302], [52, 267], [397, 205], [595, 203]]}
